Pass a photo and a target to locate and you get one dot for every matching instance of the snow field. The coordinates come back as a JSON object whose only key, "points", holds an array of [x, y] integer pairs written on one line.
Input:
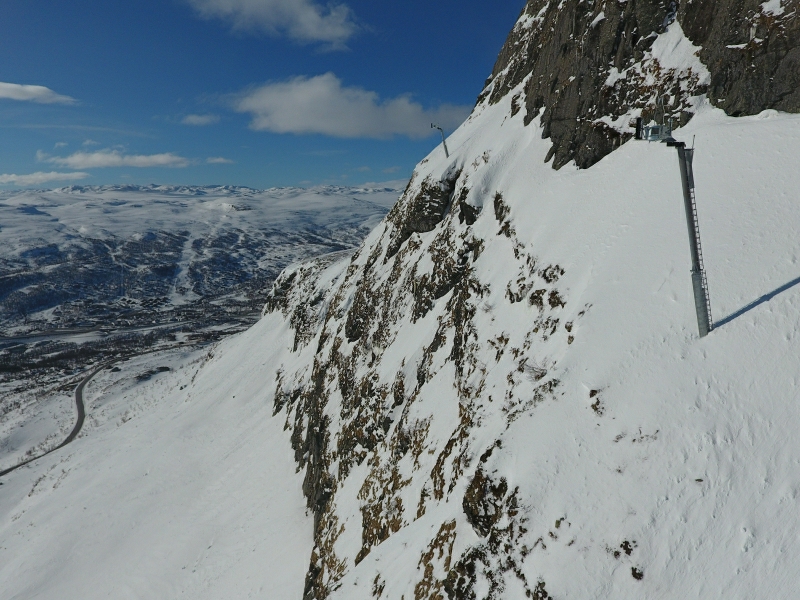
{"points": [[694, 456], [183, 486]]}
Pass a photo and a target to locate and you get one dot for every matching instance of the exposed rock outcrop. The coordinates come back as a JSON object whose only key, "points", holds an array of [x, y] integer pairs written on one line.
{"points": [[409, 368], [348, 420], [587, 67]]}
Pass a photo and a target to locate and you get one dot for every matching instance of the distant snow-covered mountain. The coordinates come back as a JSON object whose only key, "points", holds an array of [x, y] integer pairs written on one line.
{"points": [[178, 244], [89, 273]]}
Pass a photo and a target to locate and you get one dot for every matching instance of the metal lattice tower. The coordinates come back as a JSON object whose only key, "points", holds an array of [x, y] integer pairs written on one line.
{"points": [[702, 301]]}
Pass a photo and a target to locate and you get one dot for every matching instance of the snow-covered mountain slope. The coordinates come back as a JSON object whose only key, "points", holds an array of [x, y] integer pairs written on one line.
{"points": [[181, 485], [502, 394], [90, 272], [514, 399]]}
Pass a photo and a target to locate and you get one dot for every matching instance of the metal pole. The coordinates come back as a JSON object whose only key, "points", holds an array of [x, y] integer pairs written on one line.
{"points": [[446, 153], [699, 282]]}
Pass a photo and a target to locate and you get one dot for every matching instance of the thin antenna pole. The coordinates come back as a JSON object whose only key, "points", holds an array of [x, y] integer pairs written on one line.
{"points": [[446, 153]]}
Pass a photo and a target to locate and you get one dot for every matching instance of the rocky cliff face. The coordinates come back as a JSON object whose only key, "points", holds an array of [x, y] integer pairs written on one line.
{"points": [[588, 67], [415, 362], [398, 327]]}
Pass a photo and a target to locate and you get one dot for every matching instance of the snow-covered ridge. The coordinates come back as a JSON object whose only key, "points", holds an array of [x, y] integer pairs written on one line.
{"points": [[503, 392], [232, 190]]}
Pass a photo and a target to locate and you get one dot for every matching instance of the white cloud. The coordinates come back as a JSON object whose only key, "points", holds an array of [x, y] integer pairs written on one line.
{"points": [[113, 158], [219, 160], [32, 93], [301, 20], [60, 144], [200, 119], [322, 105], [39, 178], [91, 143]]}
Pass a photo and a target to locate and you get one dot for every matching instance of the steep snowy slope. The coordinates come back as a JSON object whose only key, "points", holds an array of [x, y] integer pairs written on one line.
{"points": [[502, 394], [180, 486], [514, 399]]}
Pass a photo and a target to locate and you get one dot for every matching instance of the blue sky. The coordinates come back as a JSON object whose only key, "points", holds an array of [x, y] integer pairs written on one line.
{"points": [[259, 93]]}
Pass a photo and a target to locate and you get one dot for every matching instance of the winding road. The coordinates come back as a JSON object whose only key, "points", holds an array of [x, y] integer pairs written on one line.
{"points": [[78, 424]]}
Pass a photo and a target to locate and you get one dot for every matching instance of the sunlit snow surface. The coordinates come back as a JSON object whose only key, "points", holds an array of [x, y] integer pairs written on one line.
{"points": [[695, 457], [179, 487]]}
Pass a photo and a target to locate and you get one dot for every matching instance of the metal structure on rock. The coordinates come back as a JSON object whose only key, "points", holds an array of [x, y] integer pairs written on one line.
{"points": [[702, 301], [446, 152], [663, 133]]}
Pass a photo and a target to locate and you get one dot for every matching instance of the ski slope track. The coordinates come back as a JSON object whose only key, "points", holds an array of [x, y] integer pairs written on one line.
{"points": [[501, 394]]}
